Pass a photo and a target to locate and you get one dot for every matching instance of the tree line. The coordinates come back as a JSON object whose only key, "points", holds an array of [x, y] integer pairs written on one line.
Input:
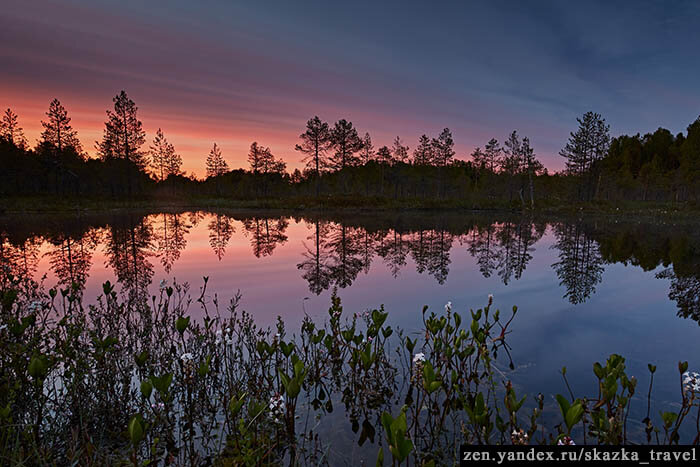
{"points": [[342, 165]]}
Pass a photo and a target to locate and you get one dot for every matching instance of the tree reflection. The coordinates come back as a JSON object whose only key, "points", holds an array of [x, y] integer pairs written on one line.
{"points": [[128, 248], [580, 265], [314, 267], [394, 250], [18, 261], [220, 231], [265, 234], [170, 234], [343, 244], [71, 258]]}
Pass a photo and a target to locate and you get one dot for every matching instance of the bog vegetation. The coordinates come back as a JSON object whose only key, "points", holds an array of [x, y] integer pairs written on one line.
{"points": [[343, 167], [141, 381]]}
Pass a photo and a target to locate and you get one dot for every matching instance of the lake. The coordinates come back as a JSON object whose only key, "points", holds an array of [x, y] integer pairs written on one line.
{"points": [[585, 288]]}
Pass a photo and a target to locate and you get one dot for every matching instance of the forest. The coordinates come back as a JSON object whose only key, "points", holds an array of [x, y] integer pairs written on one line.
{"points": [[344, 168]]}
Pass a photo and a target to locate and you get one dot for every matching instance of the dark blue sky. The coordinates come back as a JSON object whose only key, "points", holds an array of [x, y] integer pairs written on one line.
{"points": [[234, 72]]}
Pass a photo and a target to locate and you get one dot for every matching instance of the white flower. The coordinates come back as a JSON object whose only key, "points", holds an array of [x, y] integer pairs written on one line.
{"points": [[277, 407], [3, 327], [566, 441], [163, 284], [490, 297], [186, 357], [691, 381], [418, 358], [448, 307]]}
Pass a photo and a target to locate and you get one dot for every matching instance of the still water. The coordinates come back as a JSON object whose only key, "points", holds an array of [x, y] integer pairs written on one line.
{"points": [[585, 288]]}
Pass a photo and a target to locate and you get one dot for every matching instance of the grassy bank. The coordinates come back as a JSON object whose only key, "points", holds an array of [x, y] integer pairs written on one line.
{"points": [[335, 203]]}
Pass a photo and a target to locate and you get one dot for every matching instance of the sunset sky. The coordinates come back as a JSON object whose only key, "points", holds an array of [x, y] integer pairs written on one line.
{"points": [[234, 72]]}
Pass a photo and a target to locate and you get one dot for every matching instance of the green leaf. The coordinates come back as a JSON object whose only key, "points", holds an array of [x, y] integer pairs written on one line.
{"points": [[135, 430], [146, 388], [181, 324]]}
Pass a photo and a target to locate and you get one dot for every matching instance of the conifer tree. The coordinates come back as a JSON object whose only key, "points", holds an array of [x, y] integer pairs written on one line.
{"points": [[399, 151], [423, 154], [58, 132], [346, 143], [164, 160], [315, 141], [11, 131], [216, 164], [123, 134]]}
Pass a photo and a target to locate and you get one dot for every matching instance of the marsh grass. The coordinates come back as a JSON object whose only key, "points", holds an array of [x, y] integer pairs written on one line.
{"points": [[139, 381]]}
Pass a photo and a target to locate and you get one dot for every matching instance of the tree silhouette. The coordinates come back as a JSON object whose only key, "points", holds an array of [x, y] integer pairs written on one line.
{"points": [[443, 148], [123, 134], [585, 148], [10, 130], [399, 151], [367, 151], [511, 162], [345, 143], [58, 132], [492, 155], [122, 139], [164, 160], [216, 164], [423, 154], [315, 141], [530, 166], [257, 157]]}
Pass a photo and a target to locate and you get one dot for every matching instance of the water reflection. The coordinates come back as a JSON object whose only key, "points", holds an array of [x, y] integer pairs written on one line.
{"points": [[336, 250]]}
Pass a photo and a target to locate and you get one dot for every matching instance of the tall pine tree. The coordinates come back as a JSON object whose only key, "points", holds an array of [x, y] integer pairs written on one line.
{"points": [[58, 132]]}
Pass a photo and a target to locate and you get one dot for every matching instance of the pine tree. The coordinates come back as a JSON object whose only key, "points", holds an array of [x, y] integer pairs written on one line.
{"points": [[423, 154], [585, 148], [479, 158], [256, 157], [315, 141], [367, 152], [10, 130], [492, 154], [384, 156], [123, 134], [531, 166], [511, 162], [58, 132], [216, 165], [399, 151], [443, 148], [346, 143], [164, 160]]}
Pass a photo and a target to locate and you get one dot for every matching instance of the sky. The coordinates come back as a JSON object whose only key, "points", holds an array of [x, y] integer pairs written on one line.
{"points": [[233, 72]]}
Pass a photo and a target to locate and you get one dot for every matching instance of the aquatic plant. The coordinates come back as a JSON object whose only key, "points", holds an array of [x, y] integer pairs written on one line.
{"points": [[141, 381]]}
